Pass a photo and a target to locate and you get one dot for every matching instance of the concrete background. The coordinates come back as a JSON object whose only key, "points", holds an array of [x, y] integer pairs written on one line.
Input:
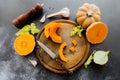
{"points": [[15, 67]]}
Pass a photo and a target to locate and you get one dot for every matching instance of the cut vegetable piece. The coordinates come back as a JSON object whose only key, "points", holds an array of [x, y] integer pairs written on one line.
{"points": [[34, 31], [24, 44], [61, 55], [97, 32], [53, 33], [51, 30], [101, 57], [47, 29], [33, 28], [74, 42], [89, 60], [77, 30], [27, 29], [72, 49]]}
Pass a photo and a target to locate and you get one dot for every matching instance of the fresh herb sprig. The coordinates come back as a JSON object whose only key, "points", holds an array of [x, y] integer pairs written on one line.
{"points": [[29, 29], [77, 31]]}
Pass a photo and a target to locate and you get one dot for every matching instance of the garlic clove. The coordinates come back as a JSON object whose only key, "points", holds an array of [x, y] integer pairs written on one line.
{"points": [[42, 20], [65, 12], [33, 62], [53, 14]]}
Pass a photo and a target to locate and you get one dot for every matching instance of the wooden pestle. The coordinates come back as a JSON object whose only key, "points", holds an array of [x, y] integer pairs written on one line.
{"points": [[28, 16]]}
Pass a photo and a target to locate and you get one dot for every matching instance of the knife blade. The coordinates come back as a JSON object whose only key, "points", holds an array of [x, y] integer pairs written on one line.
{"points": [[47, 50], [53, 56]]}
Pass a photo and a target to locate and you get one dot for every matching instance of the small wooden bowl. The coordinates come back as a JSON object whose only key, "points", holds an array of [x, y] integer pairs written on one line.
{"points": [[76, 59]]}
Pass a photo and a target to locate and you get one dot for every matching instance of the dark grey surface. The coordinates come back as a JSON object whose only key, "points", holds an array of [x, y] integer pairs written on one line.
{"points": [[15, 67]]}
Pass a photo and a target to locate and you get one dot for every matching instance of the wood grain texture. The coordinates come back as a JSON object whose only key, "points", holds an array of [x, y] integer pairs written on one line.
{"points": [[75, 60]]}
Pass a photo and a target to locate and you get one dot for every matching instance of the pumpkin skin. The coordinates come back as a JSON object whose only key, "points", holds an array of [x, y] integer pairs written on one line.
{"points": [[51, 30], [88, 14], [61, 55]]}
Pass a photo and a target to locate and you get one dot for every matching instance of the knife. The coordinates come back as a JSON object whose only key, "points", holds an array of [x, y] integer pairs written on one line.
{"points": [[53, 56]]}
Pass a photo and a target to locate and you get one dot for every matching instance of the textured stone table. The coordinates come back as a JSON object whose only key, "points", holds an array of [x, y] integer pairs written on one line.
{"points": [[15, 67]]}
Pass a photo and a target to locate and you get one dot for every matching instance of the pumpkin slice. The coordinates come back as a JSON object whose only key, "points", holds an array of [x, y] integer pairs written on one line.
{"points": [[74, 42], [53, 33], [97, 32], [51, 30], [47, 29], [72, 49], [24, 44], [62, 57]]}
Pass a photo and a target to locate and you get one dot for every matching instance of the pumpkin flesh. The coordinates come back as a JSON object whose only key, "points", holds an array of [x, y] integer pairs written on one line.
{"points": [[24, 44], [51, 30], [61, 55], [97, 32]]}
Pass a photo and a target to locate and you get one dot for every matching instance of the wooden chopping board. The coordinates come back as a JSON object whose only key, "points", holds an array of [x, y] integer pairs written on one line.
{"points": [[75, 59]]}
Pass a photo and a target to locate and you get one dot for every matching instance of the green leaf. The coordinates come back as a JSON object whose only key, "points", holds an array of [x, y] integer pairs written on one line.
{"points": [[27, 29], [76, 31], [33, 26], [34, 31], [89, 60], [72, 33]]}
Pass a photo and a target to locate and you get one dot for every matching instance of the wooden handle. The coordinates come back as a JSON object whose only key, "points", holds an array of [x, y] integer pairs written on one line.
{"points": [[64, 66]]}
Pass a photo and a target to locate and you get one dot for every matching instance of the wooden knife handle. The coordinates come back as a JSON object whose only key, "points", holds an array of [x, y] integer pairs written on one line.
{"points": [[64, 66]]}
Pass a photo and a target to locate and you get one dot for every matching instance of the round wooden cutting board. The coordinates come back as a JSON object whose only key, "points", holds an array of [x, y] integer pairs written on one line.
{"points": [[75, 59]]}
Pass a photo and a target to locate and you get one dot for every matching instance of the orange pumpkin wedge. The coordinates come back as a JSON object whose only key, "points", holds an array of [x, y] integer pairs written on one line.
{"points": [[51, 30], [97, 32], [74, 42], [54, 36], [72, 49], [47, 29], [61, 55], [24, 44]]}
